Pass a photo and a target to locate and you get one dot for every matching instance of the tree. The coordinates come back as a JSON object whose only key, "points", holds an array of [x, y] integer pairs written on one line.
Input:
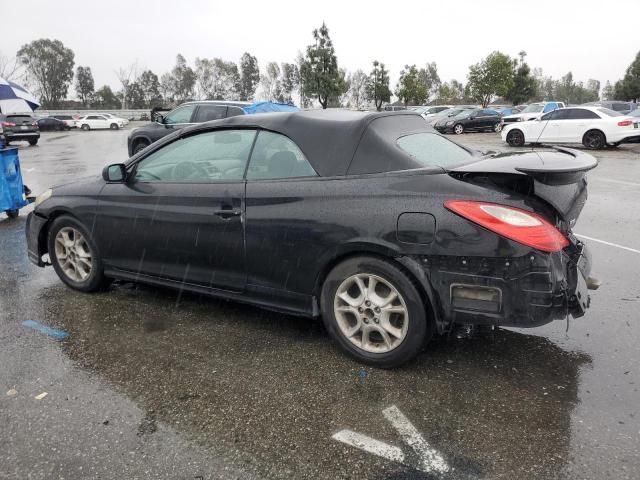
{"points": [[450, 92], [150, 88], [10, 68], [135, 96], [84, 84], [126, 76], [249, 76], [628, 88], [49, 68], [524, 85], [305, 101], [271, 82], [167, 87], [320, 73], [104, 98], [184, 79], [607, 91], [492, 77], [289, 79], [429, 77], [378, 90], [358, 85], [217, 79], [411, 88]]}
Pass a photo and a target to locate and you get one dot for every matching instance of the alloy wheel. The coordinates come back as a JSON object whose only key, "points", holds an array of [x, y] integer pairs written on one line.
{"points": [[73, 254], [593, 140], [458, 129], [371, 313]]}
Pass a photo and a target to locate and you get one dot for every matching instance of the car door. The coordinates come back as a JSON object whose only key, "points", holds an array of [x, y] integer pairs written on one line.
{"points": [[180, 214], [209, 111], [575, 124], [281, 238], [474, 121], [180, 117], [547, 129]]}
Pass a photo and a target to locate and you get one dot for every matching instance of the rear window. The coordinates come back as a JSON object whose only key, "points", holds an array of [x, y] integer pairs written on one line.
{"points": [[20, 118], [609, 112], [432, 149]]}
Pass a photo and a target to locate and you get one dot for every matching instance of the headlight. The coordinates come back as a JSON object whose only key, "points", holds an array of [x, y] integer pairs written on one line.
{"points": [[520, 119], [42, 197], [450, 123]]}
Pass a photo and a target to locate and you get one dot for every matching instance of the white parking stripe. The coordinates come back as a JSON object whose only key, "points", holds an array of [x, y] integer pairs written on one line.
{"points": [[611, 244], [622, 182], [370, 445], [430, 460]]}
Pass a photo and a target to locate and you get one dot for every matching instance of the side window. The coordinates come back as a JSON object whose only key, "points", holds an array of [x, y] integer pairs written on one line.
{"points": [[276, 156], [234, 111], [620, 107], [207, 157], [92, 117], [210, 112], [180, 115], [549, 107], [555, 115], [581, 114]]}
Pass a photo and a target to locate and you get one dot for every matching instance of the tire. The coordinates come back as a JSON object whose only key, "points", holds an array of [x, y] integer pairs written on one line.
{"points": [[407, 321], [114, 126], [70, 272], [458, 129], [12, 213], [594, 140], [33, 142], [141, 145], [497, 128], [85, 127], [515, 138]]}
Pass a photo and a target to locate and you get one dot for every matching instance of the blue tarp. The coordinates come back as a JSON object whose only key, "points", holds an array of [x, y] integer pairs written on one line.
{"points": [[11, 187], [263, 107]]}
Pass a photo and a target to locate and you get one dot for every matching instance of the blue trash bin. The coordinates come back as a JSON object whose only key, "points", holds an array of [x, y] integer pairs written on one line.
{"points": [[11, 187]]}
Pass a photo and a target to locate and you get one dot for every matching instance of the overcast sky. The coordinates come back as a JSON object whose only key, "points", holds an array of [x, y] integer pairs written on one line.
{"points": [[593, 39]]}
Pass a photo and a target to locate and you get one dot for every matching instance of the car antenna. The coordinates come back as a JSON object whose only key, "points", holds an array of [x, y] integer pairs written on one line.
{"points": [[545, 126]]}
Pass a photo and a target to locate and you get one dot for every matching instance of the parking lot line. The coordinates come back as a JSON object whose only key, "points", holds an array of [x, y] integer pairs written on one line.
{"points": [[611, 244], [622, 182], [370, 445]]}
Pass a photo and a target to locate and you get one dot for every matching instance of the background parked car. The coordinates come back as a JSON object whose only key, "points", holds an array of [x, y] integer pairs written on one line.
{"points": [[114, 117], [52, 124], [20, 126], [615, 105], [91, 122], [446, 114], [533, 111], [67, 119], [594, 127], [478, 119], [504, 111]]}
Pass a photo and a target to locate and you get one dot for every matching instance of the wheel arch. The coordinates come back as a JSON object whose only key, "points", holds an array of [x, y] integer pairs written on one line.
{"points": [[51, 217], [407, 265], [604, 135]]}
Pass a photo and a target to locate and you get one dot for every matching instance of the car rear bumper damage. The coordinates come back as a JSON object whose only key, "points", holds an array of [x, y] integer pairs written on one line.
{"points": [[528, 291]]}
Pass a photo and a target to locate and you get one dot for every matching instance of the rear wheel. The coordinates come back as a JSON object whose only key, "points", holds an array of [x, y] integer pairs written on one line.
{"points": [[497, 127], [74, 255], [33, 142], [458, 129], [515, 138], [12, 213], [114, 126], [141, 145], [374, 312], [594, 140], [85, 127]]}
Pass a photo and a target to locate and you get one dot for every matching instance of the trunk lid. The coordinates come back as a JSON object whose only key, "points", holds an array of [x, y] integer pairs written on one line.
{"points": [[556, 176]]}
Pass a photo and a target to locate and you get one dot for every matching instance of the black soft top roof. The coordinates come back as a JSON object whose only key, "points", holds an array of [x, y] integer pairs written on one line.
{"points": [[330, 139]]}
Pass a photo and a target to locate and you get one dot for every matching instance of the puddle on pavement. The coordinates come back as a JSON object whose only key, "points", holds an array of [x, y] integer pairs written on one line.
{"points": [[269, 390]]}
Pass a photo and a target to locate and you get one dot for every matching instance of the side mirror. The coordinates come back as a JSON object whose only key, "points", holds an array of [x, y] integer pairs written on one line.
{"points": [[115, 173], [159, 118]]}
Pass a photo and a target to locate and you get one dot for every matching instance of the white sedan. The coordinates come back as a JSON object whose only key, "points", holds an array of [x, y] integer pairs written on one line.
{"points": [[90, 122], [115, 117], [593, 127]]}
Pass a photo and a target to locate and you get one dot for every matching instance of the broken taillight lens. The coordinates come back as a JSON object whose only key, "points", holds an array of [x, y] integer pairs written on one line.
{"points": [[516, 224]]}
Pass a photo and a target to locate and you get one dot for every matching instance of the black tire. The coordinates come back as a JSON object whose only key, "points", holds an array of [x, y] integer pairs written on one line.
{"points": [[114, 126], [96, 279], [594, 140], [12, 213], [33, 142], [515, 138], [418, 328], [458, 129], [141, 145], [85, 127]]}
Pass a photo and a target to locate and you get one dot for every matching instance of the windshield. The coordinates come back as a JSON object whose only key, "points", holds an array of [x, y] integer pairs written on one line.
{"points": [[609, 112], [464, 114], [634, 113], [433, 149], [533, 108]]}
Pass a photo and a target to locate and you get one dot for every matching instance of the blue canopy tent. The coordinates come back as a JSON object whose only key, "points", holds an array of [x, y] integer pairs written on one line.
{"points": [[15, 99], [264, 107]]}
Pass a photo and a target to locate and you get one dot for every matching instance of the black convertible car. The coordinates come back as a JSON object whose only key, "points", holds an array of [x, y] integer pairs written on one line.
{"points": [[389, 231]]}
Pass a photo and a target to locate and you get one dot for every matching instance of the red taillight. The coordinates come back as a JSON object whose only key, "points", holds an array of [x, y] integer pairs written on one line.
{"points": [[513, 223], [8, 124], [625, 123]]}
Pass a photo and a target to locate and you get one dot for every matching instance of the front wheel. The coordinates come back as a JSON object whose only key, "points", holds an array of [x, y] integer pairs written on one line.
{"points": [[497, 127], [114, 126], [515, 138], [74, 255], [594, 140], [374, 312], [458, 129], [12, 213], [139, 147], [85, 127], [33, 142]]}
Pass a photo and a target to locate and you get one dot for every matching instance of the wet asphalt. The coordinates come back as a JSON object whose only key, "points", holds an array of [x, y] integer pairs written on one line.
{"points": [[151, 383]]}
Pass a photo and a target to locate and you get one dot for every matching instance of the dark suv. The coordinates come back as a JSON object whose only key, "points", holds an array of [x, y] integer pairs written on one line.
{"points": [[20, 126], [478, 119], [184, 115]]}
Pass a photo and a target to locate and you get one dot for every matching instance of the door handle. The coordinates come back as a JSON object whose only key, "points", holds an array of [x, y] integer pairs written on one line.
{"points": [[227, 212]]}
